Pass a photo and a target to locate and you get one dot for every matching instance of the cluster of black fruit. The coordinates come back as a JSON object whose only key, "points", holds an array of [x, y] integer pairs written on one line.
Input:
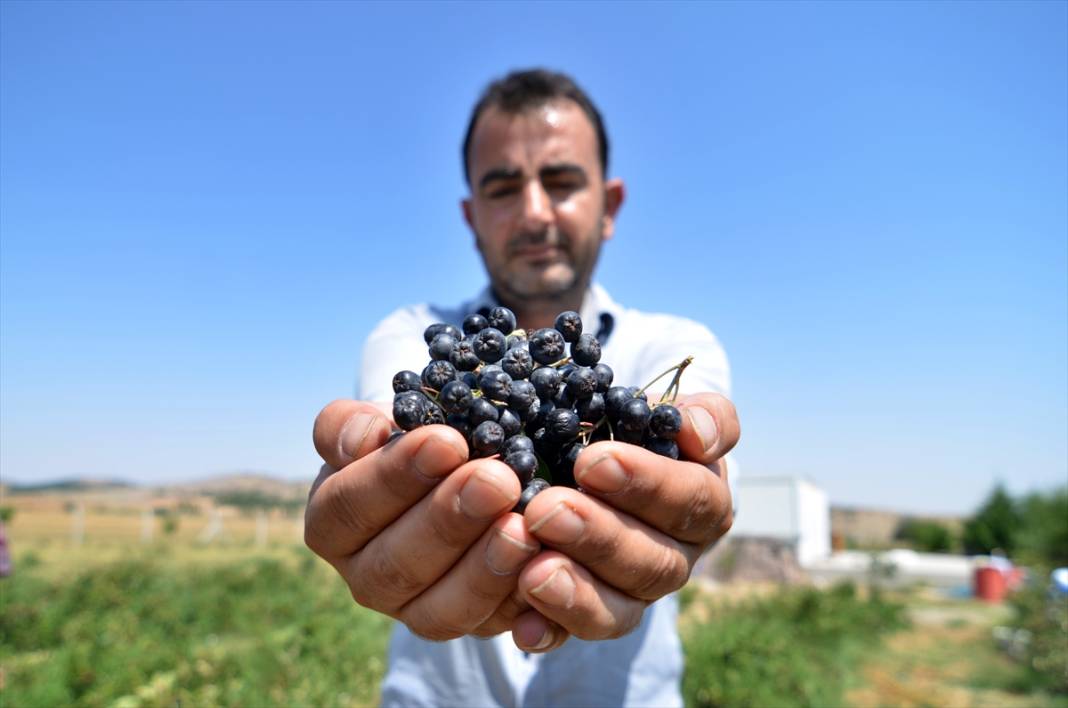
{"points": [[525, 398]]}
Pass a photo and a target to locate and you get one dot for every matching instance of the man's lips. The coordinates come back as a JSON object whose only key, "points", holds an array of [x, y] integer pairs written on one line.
{"points": [[538, 253]]}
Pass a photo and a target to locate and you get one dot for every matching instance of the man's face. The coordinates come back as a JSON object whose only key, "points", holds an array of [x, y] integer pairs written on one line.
{"points": [[539, 207]]}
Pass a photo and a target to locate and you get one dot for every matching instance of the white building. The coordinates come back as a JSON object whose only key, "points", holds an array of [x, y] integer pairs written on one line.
{"points": [[789, 509]]}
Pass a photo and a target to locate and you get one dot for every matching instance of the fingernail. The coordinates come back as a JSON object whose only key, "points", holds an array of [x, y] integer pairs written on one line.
{"points": [[545, 640], [561, 525], [428, 458], [558, 589], [604, 474], [353, 434], [704, 425], [485, 494], [505, 555]]}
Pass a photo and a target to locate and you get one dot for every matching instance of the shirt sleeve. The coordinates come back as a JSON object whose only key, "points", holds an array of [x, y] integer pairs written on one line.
{"points": [[394, 345], [679, 338]]}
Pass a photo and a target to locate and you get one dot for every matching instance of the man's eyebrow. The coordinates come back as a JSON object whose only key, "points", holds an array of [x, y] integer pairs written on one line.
{"points": [[562, 169], [499, 173]]}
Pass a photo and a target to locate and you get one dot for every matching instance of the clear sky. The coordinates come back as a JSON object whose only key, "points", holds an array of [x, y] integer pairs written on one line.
{"points": [[204, 207]]}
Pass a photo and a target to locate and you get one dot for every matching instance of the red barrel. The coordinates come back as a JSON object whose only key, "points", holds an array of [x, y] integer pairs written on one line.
{"points": [[989, 584]]}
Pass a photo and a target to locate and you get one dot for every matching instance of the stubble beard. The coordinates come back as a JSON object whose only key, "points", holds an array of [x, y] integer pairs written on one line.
{"points": [[564, 280]]}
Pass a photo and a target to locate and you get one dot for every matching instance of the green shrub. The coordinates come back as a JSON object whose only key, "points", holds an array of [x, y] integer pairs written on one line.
{"points": [[796, 648], [257, 632], [1044, 617]]}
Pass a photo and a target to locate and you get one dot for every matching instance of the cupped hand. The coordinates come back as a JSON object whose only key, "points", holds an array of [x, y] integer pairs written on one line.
{"points": [[418, 531], [632, 535]]}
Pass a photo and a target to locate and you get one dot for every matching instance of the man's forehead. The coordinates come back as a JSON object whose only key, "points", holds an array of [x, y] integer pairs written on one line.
{"points": [[556, 131]]}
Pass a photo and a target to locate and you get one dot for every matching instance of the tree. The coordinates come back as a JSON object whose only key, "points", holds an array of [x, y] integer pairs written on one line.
{"points": [[924, 535], [994, 526], [1043, 538]]}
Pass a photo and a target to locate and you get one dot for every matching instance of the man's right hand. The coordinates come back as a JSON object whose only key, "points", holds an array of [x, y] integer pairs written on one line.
{"points": [[416, 530]]}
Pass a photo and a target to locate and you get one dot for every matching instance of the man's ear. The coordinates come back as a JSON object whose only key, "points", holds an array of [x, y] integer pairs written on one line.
{"points": [[614, 194]]}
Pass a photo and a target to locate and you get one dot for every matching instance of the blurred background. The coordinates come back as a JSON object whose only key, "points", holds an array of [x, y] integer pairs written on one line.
{"points": [[205, 207]]}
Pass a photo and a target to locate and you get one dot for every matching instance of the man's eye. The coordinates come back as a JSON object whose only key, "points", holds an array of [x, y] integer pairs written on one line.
{"points": [[502, 191], [562, 186]]}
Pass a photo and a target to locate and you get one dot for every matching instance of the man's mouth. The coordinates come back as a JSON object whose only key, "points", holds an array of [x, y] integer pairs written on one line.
{"points": [[539, 252]]}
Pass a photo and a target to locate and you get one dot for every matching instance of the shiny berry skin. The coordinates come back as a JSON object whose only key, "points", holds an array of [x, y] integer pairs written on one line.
{"points": [[562, 398], [516, 443], [667, 448], [636, 392], [665, 422], [615, 399], [581, 383], [441, 346], [515, 340], [502, 318], [432, 414], [510, 422], [518, 363], [486, 439], [408, 409], [469, 378], [407, 381], [545, 380], [604, 375], [628, 435], [524, 463], [463, 356], [459, 423], [473, 324], [635, 415], [521, 395], [563, 424], [569, 325], [586, 351], [564, 474], [437, 374], [455, 397], [495, 384], [534, 487], [592, 409], [432, 331], [546, 346], [542, 416], [480, 411], [489, 344]]}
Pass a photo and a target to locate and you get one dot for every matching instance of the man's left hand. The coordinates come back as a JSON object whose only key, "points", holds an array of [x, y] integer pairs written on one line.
{"points": [[631, 536]]}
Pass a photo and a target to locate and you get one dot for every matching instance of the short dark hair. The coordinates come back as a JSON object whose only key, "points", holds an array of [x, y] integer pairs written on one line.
{"points": [[522, 91]]}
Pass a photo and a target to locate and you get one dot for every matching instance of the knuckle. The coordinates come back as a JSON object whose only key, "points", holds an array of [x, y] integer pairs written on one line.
{"points": [[669, 571], [445, 525], [382, 583], [315, 539], [432, 626], [341, 505], [698, 509]]}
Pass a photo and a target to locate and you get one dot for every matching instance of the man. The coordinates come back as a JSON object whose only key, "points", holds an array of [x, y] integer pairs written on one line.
{"points": [[425, 535]]}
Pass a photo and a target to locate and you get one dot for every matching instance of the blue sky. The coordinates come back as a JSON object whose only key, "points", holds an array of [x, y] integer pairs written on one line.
{"points": [[204, 207]]}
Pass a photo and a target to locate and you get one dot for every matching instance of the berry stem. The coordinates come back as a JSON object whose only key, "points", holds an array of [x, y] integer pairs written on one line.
{"points": [[678, 369]]}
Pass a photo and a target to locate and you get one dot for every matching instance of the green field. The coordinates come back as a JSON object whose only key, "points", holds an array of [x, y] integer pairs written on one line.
{"points": [[175, 623]]}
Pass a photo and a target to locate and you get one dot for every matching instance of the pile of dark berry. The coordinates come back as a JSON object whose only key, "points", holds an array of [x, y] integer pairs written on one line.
{"points": [[527, 399]]}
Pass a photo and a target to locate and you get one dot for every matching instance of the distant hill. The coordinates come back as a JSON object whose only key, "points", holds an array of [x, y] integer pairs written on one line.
{"points": [[67, 485], [877, 528], [243, 482]]}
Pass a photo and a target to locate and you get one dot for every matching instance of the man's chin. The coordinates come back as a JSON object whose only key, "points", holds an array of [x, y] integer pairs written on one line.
{"points": [[547, 286]]}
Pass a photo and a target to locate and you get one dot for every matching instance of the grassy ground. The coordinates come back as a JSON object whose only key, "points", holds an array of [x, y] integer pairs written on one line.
{"points": [[947, 658], [255, 619]]}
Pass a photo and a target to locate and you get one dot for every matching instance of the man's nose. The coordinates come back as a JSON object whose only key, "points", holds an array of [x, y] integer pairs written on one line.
{"points": [[537, 207]]}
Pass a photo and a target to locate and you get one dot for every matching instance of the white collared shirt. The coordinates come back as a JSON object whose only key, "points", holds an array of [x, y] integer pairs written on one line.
{"points": [[643, 668]]}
